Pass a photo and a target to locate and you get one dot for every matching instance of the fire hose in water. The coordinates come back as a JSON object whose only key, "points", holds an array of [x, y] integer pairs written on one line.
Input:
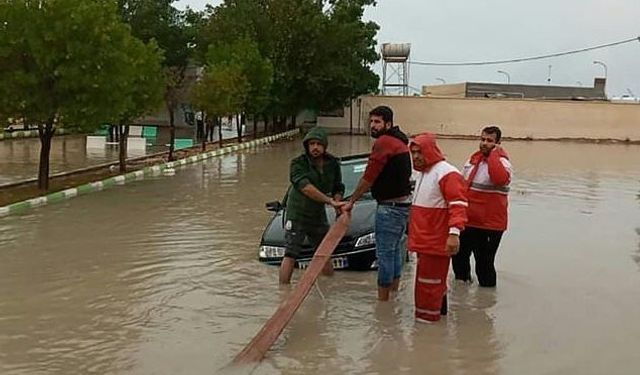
{"points": [[258, 347]]}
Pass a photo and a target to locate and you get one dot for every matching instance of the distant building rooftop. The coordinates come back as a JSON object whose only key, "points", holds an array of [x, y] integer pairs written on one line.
{"points": [[501, 90]]}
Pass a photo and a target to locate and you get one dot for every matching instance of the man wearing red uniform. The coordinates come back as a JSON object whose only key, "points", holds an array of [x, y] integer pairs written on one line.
{"points": [[436, 218], [488, 174]]}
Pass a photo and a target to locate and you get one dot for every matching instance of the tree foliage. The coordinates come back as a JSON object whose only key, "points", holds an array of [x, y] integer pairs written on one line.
{"points": [[221, 90], [320, 51], [144, 92], [242, 55], [65, 62], [59, 60], [350, 44], [175, 33], [145, 88]]}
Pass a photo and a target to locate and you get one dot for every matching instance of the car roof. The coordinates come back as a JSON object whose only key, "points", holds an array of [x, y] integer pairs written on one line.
{"points": [[349, 159]]}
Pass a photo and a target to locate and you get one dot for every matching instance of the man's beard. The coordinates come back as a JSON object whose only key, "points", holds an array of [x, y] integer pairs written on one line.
{"points": [[314, 155], [377, 133]]}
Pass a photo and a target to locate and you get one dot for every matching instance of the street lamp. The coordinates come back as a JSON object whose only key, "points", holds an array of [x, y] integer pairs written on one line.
{"points": [[441, 80], [506, 74], [604, 66], [549, 76]]}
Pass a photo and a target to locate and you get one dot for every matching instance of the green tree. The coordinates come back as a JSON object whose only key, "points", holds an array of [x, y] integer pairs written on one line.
{"points": [[233, 20], [145, 90], [243, 54], [296, 31], [230, 26], [175, 33], [62, 62], [320, 51], [343, 71], [221, 91]]}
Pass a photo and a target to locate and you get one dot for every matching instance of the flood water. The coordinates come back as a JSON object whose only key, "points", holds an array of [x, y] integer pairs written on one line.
{"points": [[19, 158], [161, 277]]}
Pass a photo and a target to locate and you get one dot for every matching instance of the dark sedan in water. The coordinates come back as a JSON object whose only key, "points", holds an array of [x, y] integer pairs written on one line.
{"points": [[356, 251]]}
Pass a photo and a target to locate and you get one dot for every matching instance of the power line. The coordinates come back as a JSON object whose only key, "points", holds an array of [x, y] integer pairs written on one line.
{"points": [[525, 58]]}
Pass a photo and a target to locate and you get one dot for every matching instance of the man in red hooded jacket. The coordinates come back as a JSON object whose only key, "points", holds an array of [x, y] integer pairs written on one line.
{"points": [[488, 175], [437, 216]]}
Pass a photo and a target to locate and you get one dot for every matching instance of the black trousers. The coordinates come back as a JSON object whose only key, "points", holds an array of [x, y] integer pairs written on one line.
{"points": [[483, 243]]}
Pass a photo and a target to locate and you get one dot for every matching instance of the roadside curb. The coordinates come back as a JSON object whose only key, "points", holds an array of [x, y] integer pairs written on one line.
{"points": [[138, 175], [19, 134]]}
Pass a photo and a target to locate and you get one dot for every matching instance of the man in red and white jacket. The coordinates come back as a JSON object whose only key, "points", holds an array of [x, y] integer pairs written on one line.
{"points": [[488, 174], [437, 216]]}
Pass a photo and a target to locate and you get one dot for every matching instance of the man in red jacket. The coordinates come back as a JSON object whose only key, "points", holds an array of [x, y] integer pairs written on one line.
{"points": [[388, 176], [437, 216], [488, 175]]}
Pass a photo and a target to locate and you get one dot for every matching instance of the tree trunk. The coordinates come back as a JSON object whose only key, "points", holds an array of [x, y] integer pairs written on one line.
{"points": [[265, 130], [239, 127], [172, 133], [255, 126], [200, 131], [212, 127], [45, 132], [205, 131], [123, 137], [274, 119], [294, 118], [65, 155], [350, 116], [219, 121]]}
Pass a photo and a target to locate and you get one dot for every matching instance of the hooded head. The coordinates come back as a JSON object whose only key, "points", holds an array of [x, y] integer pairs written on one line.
{"points": [[315, 142], [425, 152]]}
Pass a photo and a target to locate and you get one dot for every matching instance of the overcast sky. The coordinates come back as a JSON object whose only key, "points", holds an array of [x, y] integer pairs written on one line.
{"points": [[479, 30]]}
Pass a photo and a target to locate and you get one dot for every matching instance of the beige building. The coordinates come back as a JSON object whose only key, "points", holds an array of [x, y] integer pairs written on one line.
{"points": [[518, 118], [501, 90]]}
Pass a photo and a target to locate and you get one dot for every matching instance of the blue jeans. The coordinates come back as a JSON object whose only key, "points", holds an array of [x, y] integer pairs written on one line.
{"points": [[390, 226]]}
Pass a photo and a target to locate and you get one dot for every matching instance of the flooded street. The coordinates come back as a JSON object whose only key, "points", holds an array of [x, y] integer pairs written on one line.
{"points": [[162, 277], [19, 157]]}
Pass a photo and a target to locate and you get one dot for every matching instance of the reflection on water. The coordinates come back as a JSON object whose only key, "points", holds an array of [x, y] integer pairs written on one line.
{"points": [[161, 277], [636, 256], [19, 158]]}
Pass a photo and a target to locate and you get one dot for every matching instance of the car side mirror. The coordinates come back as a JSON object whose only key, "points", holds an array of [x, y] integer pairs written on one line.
{"points": [[274, 206]]}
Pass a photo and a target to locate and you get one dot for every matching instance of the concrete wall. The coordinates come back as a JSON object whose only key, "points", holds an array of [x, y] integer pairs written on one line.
{"points": [[535, 119], [481, 89], [455, 90], [488, 89]]}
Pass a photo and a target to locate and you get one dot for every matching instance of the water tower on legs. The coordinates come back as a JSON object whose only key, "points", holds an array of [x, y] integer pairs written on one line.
{"points": [[395, 68]]}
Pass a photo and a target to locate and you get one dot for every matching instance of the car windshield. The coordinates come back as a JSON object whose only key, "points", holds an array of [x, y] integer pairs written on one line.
{"points": [[352, 170]]}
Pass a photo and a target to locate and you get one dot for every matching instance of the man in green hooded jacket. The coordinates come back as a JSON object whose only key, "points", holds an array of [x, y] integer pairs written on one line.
{"points": [[316, 181]]}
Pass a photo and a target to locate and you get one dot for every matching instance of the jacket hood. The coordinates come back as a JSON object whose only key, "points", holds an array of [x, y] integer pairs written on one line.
{"points": [[429, 150], [316, 133], [478, 156], [395, 132]]}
